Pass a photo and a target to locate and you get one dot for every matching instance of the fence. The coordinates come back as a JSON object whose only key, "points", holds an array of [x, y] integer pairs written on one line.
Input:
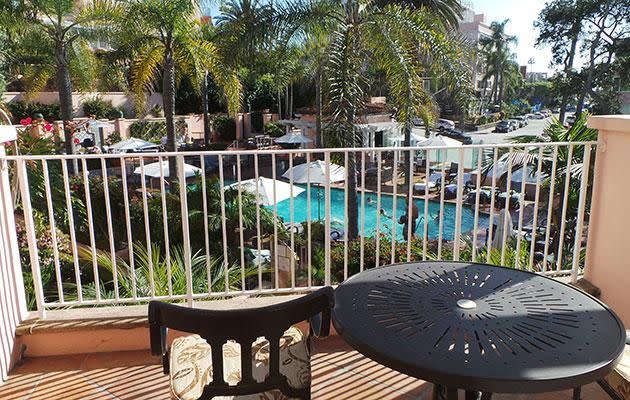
{"points": [[116, 229]]}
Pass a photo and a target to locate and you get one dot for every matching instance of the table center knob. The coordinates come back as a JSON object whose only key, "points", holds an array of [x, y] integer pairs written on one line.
{"points": [[466, 304]]}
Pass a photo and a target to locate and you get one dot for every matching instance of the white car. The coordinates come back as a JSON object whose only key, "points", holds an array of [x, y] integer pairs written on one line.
{"points": [[444, 124], [539, 115], [570, 119]]}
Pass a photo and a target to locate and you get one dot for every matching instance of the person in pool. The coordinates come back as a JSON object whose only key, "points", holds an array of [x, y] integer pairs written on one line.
{"points": [[404, 219]]}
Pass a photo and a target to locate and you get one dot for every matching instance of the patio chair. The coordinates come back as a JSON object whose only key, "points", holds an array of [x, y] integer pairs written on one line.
{"points": [[263, 354], [617, 383], [452, 172]]}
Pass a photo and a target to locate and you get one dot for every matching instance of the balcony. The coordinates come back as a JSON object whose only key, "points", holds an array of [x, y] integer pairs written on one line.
{"points": [[89, 239]]}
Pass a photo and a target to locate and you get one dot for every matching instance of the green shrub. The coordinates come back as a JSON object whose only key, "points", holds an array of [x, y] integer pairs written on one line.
{"points": [[100, 108], [22, 109], [113, 138], [225, 128], [274, 129]]}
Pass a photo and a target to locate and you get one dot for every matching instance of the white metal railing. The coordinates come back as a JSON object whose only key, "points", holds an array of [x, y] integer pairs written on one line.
{"points": [[113, 236]]}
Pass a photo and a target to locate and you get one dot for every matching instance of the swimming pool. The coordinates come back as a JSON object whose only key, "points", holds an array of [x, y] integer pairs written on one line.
{"points": [[337, 208]]}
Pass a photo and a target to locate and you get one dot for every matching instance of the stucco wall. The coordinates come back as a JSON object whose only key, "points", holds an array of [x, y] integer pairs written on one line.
{"points": [[607, 263]]}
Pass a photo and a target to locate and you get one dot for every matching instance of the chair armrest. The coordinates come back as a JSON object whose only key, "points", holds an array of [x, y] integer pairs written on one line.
{"points": [[320, 324], [628, 336], [319, 320], [157, 332]]}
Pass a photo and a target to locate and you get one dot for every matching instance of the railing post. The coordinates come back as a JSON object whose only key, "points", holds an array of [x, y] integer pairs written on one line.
{"points": [[606, 252], [183, 200], [13, 299], [31, 235]]}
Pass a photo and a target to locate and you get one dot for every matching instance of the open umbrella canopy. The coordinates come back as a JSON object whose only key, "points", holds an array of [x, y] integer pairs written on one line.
{"points": [[268, 193], [293, 138], [153, 170], [439, 141], [132, 145], [315, 172]]}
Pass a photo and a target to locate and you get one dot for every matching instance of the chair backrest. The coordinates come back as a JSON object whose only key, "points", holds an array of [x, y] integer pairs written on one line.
{"points": [[243, 326]]}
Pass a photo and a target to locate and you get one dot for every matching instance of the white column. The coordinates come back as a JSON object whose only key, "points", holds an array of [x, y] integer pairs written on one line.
{"points": [[607, 262]]}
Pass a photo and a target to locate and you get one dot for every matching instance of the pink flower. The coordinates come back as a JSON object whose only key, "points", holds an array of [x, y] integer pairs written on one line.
{"points": [[26, 121], [48, 127]]}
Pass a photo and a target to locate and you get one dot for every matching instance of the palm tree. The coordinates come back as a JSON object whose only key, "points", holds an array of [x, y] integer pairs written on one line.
{"points": [[448, 11], [168, 42], [497, 55], [50, 39], [246, 26], [395, 39]]}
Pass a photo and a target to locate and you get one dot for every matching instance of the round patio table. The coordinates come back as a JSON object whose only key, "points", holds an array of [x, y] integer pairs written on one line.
{"points": [[477, 327]]}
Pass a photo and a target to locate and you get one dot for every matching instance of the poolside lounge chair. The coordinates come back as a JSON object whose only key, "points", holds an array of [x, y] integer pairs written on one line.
{"points": [[434, 182], [617, 383], [264, 355]]}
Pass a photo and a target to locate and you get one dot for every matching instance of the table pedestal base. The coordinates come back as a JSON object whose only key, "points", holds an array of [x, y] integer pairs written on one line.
{"points": [[441, 392], [449, 393]]}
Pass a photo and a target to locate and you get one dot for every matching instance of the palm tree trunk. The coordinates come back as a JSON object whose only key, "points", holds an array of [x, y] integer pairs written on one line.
{"points": [[204, 109], [501, 86], [168, 101], [286, 102], [318, 107], [407, 132], [291, 102], [64, 86], [279, 104]]}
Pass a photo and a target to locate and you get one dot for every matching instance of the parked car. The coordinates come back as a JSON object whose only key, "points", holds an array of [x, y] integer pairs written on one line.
{"points": [[504, 126], [570, 119], [417, 122], [457, 135], [515, 124], [556, 110], [539, 115], [522, 121], [443, 124]]}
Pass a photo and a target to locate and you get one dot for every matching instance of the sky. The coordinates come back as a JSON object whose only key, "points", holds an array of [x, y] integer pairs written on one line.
{"points": [[522, 14]]}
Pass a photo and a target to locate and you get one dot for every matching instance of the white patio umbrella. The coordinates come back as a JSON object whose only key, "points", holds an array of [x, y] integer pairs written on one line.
{"points": [[497, 240], [293, 138], [315, 173], [265, 187], [132, 144], [153, 170], [439, 141]]}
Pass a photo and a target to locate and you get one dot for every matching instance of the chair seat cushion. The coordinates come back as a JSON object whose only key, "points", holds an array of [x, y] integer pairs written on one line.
{"points": [[191, 365], [619, 378]]}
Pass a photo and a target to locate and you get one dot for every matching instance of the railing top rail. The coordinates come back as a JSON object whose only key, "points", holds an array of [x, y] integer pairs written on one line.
{"points": [[292, 151]]}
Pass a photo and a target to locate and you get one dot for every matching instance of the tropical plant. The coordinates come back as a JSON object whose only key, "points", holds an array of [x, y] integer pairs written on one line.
{"points": [[154, 274], [100, 108], [168, 43], [569, 164], [51, 40]]}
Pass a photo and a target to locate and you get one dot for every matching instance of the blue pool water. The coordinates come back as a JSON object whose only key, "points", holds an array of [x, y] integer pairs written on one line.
{"points": [[337, 206]]}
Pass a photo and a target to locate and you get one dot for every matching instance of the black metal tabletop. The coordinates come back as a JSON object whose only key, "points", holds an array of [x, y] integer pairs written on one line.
{"points": [[478, 327]]}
